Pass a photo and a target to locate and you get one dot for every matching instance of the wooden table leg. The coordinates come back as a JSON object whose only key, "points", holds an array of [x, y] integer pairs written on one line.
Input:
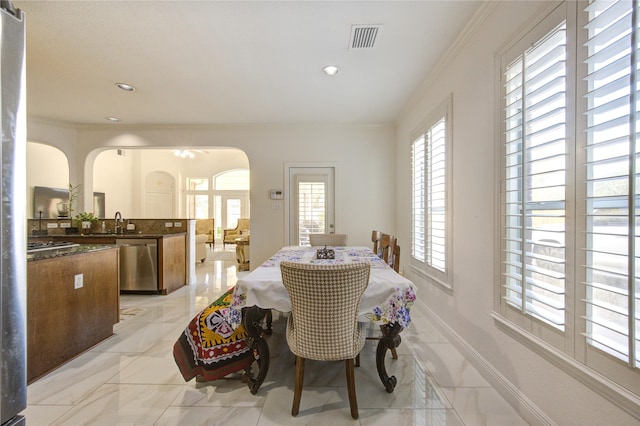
{"points": [[252, 322], [269, 322], [390, 340]]}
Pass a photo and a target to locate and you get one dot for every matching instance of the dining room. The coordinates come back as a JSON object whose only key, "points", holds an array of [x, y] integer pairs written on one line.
{"points": [[133, 376], [521, 315]]}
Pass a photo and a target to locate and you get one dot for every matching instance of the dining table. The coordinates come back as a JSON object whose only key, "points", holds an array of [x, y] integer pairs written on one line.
{"points": [[386, 302]]}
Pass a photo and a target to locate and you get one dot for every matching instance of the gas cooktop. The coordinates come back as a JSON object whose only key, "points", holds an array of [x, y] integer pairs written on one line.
{"points": [[48, 245]]}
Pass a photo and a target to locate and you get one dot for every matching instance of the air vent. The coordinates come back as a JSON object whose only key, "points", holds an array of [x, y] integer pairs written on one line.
{"points": [[364, 36]]}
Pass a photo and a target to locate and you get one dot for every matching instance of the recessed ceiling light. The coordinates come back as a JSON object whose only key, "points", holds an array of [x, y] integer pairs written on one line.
{"points": [[126, 87], [113, 119], [330, 70]]}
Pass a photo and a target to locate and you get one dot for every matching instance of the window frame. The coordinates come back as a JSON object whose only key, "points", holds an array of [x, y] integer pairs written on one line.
{"points": [[568, 350], [532, 324], [443, 279]]}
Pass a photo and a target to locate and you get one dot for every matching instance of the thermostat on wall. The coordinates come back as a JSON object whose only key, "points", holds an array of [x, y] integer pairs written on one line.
{"points": [[276, 194]]}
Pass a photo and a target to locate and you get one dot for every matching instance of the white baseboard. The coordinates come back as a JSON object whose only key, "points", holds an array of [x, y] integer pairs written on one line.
{"points": [[519, 401]]}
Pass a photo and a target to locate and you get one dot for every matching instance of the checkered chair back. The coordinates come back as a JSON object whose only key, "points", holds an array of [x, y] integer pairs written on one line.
{"points": [[336, 240], [325, 300]]}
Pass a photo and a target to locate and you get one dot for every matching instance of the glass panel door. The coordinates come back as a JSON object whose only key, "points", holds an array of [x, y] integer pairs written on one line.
{"points": [[231, 208], [312, 203]]}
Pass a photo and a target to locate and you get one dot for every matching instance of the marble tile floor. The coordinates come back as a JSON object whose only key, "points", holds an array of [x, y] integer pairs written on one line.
{"points": [[131, 378]]}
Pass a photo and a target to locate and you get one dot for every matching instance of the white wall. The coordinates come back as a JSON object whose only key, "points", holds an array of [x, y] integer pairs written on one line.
{"points": [[46, 166], [205, 164], [121, 175], [367, 184], [113, 174], [469, 75], [364, 154]]}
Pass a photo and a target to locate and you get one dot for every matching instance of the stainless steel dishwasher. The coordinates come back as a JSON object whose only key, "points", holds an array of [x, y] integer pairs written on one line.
{"points": [[138, 264]]}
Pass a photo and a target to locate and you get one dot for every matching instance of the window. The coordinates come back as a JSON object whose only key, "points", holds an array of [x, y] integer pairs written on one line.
{"points": [[612, 216], [197, 184], [569, 218], [312, 207], [535, 151], [230, 198], [197, 198], [431, 202], [232, 180], [224, 197]]}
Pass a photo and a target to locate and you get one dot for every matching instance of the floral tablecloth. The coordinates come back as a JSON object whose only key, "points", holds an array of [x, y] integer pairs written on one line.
{"points": [[387, 299]]}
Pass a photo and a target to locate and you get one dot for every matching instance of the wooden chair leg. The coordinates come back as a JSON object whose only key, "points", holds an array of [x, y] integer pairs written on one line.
{"points": [[394, 353], [351, 388], [358, 360], [297, 393]]}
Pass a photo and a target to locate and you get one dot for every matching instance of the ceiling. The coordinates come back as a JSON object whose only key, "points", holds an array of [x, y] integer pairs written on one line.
{"points": [[231, 62]]}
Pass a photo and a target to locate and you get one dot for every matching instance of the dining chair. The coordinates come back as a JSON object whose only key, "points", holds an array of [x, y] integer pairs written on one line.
{"points": [[334, 240], [375, 239], [394, 261], [389, 251], [391, 255], [323, 324], [385, 247]]}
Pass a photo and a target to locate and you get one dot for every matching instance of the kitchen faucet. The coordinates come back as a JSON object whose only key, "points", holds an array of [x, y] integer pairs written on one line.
{"points": [[117, 223]]}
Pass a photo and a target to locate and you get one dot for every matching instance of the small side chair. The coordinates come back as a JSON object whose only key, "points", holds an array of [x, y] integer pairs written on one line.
{"points": [[323, 324]]}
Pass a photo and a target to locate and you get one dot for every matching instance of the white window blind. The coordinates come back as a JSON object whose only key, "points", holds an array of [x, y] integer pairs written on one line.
{"points": [[534, 179], [311, 209], [612, 220], [418, 172], [430, 204], [569, 214]]}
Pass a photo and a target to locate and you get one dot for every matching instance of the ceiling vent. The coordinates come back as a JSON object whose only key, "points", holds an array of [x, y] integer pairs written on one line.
{"points": [[364, 36]]}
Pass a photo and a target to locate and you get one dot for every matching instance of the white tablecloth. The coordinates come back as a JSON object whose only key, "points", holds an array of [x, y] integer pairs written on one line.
{"points": [[388, 297]]}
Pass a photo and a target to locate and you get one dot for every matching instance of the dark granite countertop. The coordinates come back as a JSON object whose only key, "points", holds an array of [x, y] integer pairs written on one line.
{"points": [[67, 251], [108, 235]]}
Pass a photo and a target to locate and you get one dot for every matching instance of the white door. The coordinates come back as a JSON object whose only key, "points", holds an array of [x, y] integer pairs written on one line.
{"points": [[311, 203], [229, 208], [159, 195]]}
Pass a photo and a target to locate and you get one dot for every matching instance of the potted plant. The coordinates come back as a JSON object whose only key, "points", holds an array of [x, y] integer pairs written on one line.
{"points": [[73, 196], [85, 220]]}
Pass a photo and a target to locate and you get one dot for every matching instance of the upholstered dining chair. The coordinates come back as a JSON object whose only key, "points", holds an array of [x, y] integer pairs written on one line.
{"points": [[328, 239], [323, 324]]}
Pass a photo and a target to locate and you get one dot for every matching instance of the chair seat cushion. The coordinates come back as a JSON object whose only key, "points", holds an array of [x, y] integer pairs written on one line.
{"points": [[325, 346]]}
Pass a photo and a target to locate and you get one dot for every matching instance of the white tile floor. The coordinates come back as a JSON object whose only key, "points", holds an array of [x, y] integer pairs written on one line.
{"points": [[131, 378]]}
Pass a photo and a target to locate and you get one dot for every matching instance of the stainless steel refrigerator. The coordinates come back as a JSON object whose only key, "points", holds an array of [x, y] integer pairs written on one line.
{"points": [[13, 272]]}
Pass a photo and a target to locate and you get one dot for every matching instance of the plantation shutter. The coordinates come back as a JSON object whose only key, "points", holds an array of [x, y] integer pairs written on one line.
{"points": [[429, 171], [418, 243], [534, 179], [312, 208], [436, 196], [612, 292]]}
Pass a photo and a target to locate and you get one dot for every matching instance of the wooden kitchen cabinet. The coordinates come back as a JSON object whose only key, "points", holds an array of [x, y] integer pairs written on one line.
{"points": [[172, 254], [72, 304], [172, 262]]}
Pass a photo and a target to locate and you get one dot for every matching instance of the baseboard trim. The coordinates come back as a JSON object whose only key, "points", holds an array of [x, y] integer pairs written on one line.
{"points": [[590, 378], [518, 400]]}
